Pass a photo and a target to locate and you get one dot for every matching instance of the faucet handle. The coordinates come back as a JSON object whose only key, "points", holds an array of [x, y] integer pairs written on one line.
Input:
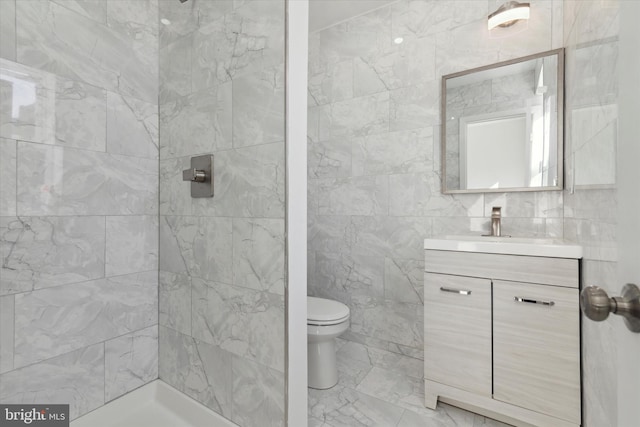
{"points": [[496, 212]]}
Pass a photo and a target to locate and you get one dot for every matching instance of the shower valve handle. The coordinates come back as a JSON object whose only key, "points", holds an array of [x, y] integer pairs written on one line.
{"points": [[195, 175]]}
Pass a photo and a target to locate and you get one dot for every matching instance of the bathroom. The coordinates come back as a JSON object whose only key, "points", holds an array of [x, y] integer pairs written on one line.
{"points": [[138, 299]]}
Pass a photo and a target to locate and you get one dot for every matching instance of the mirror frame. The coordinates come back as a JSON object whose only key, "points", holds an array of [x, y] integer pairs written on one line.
{"points": [[560, 125]]}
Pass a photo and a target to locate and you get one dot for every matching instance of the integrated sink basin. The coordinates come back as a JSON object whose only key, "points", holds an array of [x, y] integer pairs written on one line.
{"points": [[555, 248]]}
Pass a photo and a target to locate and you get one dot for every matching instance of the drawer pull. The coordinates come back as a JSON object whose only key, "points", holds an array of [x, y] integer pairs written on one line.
{"points": [[455, 291], [533, 301]]}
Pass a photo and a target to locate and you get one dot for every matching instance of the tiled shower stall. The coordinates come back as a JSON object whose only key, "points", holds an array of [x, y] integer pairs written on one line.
{"points": [[112, 275]]}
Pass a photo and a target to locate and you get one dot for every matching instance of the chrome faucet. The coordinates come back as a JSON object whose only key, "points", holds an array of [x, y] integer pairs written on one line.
{"points": [[496, 215]]}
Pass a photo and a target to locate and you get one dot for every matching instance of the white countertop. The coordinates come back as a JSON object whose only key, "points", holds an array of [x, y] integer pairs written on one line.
{"points": [[554, 248]]}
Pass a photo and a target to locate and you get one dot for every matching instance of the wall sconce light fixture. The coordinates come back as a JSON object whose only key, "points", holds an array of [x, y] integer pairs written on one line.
{"points": [[508, 14]]}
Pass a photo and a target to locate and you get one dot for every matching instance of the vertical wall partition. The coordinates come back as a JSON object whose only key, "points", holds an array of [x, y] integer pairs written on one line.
{"points": [[112, 275]]}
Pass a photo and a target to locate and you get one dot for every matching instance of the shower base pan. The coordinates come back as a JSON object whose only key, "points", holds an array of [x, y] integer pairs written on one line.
{"points": [[156, 404]]}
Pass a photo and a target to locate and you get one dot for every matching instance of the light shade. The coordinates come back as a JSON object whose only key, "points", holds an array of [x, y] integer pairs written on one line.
{"points": [[508, 14]]}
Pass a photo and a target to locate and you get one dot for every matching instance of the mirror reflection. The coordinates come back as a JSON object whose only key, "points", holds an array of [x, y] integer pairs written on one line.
{"points": [[502, 126]]}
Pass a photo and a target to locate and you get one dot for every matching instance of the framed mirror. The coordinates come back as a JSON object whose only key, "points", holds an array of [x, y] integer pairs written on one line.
{"points": [[502, 126]]}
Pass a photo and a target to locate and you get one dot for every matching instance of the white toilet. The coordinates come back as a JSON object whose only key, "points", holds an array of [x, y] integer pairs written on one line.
{"points": [[326, 320]]}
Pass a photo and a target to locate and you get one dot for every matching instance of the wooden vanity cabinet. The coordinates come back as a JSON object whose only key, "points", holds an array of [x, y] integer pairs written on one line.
{"points": [[458, 345], [502, 336]]}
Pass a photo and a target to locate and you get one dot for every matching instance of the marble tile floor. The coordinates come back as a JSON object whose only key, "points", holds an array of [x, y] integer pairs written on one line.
{"points": [[385, 389]]}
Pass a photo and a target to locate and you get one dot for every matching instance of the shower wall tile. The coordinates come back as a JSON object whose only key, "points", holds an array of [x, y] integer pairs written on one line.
{"points": [[258, 395], [183, 18], [420, 18], [420, 195], [120, 58], [131, 244], [222, 258], [247, 323], [75, 378], [394, 152], [132, 127], [198, 123], [249, 183], [81, 116], [38, 106], [197, 246], [134, 18], [313, 123], [342, 276], [332, 83], [364, 36], [6, 333], [384, 236], [537, 37], [451, 225], [94, 9], [258, 254], [592, 21], [526, 205], [175, 64], [8, 149], [43, 252], [247, 39], [258, 108], [57, 320], [175, 194], [401, 65], [464, 47], [33, 116], [8, 29], [403, 280], [130, 361], [367, 195], [175, 302], [201, 370], [330, 159], [57, 181], [366, 115], [414, 106], [81, 102]]}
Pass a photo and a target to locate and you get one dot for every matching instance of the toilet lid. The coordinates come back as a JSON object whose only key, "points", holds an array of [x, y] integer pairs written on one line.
{"points": [[325, 310]]}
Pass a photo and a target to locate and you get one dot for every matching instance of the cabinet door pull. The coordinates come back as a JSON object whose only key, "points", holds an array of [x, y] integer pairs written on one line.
{"points": [[455, 291], [533, 301]]}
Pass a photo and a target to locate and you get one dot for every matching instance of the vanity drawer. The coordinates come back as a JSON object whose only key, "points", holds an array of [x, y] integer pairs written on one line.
{"points": [[543, 270], [457, 324], [536, 348]]}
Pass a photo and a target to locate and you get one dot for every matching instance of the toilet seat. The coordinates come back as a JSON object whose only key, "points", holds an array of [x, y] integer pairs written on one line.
{"points": [[325, 312]]}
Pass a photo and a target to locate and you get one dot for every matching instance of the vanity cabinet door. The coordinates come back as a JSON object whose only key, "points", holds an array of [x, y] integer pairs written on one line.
{"points": [[457, 324], [536, 348]]}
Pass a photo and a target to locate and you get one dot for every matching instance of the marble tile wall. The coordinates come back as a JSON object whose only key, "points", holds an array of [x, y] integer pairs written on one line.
{"points": [[590, 211], [374, 156], [78, 200], [222, 259], [374, 162]]}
